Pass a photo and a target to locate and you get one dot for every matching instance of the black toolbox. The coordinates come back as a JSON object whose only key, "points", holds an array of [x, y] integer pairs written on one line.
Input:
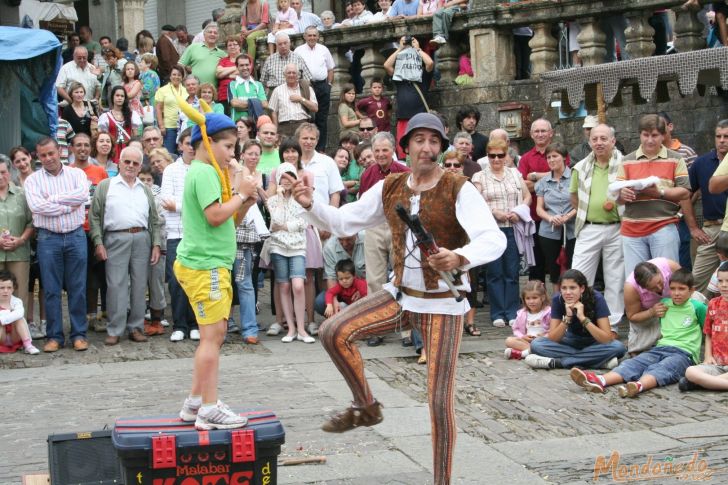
{"points": [[164, 450]]}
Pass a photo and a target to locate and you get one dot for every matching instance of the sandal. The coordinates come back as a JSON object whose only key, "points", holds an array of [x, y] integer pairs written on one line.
{"points": [[472, 330]]}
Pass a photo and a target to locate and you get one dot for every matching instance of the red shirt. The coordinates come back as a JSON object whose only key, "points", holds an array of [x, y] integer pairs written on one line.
{"points": [[94, 174], [345, 294], [222, 84], [374, 174], [377, 110], [716, 326], [534, 161]]}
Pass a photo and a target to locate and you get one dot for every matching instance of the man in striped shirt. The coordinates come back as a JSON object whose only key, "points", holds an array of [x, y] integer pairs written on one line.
{"points": [[649, 222], [57, 195]]}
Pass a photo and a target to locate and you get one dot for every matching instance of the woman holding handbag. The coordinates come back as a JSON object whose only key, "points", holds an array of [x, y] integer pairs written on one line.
{"points": [[120, 121], [553, 206], [80, 114]]}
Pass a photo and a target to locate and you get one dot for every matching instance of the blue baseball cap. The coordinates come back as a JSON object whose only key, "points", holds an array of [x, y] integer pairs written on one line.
{"points": [[215, 122]]}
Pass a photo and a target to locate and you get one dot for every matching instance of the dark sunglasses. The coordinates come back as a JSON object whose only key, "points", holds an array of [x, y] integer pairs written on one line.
{"points": [[496, 155], [131, 162], [452, 165], [366, 128]]}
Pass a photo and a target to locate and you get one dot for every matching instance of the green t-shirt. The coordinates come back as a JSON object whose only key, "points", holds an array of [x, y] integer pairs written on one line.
{"points": [[682, 326], [244, 90], [269, 161], [353, 172], [203, 61], [598, 196], [204, 246]]}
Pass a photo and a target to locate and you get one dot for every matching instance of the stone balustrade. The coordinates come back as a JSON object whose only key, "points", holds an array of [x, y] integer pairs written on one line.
{"points": [[487, 31]]}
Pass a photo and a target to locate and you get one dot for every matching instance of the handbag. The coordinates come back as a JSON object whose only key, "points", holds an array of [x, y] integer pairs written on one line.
{"points": [[148, 114]]}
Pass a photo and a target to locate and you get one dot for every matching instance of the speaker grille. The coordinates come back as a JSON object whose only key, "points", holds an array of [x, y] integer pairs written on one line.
{"points": [[83, 461]]}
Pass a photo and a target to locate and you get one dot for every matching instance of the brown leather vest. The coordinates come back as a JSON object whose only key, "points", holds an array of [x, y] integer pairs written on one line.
{"points": [[437, 213]]}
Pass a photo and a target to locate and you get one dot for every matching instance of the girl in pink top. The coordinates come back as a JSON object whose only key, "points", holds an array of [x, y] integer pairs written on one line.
{"points": [[532, 321], [286, 22]]}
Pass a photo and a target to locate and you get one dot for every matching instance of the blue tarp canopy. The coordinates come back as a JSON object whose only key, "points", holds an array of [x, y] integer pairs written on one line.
{"points": [[33, 56]]}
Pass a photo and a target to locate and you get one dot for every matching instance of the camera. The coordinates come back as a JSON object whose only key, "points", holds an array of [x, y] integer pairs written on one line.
{"points": [[407, 40]]}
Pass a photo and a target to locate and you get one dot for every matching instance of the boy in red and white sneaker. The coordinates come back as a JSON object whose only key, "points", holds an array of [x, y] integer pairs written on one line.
{"points": [[713, 372], [666, 362]]}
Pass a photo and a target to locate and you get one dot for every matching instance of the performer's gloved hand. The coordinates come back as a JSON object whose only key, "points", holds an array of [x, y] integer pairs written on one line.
{"points": [[444, 260]]}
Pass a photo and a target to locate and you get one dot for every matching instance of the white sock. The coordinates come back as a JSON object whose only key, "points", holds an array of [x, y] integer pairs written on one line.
{"points": [[524, 353], [194, 401], [602, 380], [207, 407]]}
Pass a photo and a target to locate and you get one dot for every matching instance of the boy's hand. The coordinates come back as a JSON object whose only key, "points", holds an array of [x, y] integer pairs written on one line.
{"points": [[329, 310], [355, 296], [709, 360]]}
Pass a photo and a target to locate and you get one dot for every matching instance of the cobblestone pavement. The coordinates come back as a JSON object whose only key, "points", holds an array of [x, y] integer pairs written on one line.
{"points": [[517, 425]]}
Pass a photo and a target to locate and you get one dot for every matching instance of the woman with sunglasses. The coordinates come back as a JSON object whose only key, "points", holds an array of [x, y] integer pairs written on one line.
{"points": [[503, 189]]}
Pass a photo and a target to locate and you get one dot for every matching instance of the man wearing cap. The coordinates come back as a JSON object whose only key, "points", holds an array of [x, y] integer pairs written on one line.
{"points": [[166, 52], [583, 149], [461, 223]]}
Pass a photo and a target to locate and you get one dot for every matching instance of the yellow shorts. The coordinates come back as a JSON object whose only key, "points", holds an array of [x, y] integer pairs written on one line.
{"points": [[209, 291]]}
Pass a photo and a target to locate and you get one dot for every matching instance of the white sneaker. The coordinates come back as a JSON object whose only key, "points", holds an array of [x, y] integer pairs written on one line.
{"points": [[219, 417], [177, 336], [274, 329], [313, 328], [538, 361], [30, 349], [439, 39], [611, 363], [35, 330], [164, 322], [499, 322], [288, 339], [511, 322], [194, 334], [190, 409]]}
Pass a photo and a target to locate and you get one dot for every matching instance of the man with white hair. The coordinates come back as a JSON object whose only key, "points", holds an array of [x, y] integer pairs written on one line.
{"points": [[125, 229], [201, 59], [81, 71], [321, 64], [273, 73], [290, 104]]}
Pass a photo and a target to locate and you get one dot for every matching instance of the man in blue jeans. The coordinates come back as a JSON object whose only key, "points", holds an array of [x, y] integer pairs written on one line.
{"points": [[57, 196]]}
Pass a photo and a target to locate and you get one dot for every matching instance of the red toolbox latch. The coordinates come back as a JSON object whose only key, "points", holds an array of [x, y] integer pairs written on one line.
{"points": [[164, 451], [243, 445]]}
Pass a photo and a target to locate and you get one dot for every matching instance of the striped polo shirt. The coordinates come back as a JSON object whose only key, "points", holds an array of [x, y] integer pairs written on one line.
{"points": [[646, 215]]}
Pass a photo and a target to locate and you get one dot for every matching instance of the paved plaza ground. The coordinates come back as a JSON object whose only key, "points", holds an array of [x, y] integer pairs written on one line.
{"points": [[516, 425]]}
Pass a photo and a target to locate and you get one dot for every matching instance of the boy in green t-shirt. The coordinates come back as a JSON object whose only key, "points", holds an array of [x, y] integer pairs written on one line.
{"points": [[681, 325], [204, 259]]}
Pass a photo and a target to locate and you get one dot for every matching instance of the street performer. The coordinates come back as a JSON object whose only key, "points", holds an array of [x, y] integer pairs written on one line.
{"points": [[465, 230]]}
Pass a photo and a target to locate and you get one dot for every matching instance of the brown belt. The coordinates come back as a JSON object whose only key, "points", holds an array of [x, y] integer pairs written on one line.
{"points": [[131, 230], [426, 295], [717, 222]]}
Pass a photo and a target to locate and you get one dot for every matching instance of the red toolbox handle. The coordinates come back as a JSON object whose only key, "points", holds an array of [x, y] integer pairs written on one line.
{"points": [[164, 451], [243, 445]]}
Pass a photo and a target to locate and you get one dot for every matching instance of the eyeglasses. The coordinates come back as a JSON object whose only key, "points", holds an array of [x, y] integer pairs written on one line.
{"points": [[496, 155], [452, 165], [366, 128], [154, 138], [131, 162]]}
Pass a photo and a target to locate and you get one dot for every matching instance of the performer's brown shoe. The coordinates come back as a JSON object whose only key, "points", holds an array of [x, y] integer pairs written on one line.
{"points": [[354, 417]]}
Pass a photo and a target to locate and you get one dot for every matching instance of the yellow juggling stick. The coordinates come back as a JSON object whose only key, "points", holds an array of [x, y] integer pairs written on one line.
{"points": [[199, 119]]}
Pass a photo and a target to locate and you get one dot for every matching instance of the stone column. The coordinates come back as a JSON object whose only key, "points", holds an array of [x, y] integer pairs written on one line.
{"points": [[592, 42], [448, 61], [491, 54], [688, 31], [341, 70], [372, 64], [230, 22], [639, 35], [544, 50], [130, 14]]}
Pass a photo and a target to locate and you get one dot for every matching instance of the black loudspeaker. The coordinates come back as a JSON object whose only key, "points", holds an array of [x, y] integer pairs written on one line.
{"points": [[83, 458]]}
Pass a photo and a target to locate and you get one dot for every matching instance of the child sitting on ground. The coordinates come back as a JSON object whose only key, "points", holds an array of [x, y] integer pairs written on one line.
{"points": [[347, 289], [681, 322], [532, 321], [713, 372], [14, 330]]}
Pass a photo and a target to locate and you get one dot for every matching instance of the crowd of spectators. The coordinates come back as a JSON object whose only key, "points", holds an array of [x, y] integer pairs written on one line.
{"points": [[96, 209]]}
